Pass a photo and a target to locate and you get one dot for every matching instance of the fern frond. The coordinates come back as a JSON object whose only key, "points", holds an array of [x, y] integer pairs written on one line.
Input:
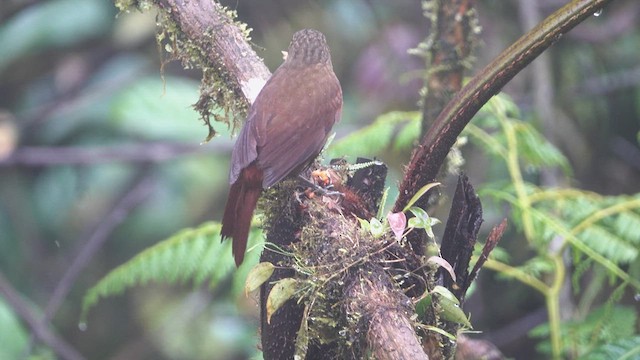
{"points": [[609, 264], [603, 325], [538, 266], [190, 255], [601, 231], [546, 221], [621, 349], [627, 226], [608, 244], [535, 152], [606, 224]]}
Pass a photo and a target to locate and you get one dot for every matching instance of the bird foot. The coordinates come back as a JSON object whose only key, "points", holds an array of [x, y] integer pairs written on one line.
{"points": [[313, 188]]}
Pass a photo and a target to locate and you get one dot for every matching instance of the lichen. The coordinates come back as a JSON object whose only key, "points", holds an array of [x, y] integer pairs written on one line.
{"points": [[127, 5], [331, 254], [219, 99]]}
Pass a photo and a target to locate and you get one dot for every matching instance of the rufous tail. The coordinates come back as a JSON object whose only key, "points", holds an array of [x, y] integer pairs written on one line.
{"points": [[241, 203]]}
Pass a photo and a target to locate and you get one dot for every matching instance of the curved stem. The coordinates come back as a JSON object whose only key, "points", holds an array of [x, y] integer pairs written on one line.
{"points": [[434, 147], [553, 306], [519, 275], [513, 166]]}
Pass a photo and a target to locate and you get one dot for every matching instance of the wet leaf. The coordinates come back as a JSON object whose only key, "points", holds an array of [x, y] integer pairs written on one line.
{"points": [[397, 222], [443, 264], [376, 228], [282, 291], [257, 276], [419, 194], [451, 311], [440, 331], [445, 293]]}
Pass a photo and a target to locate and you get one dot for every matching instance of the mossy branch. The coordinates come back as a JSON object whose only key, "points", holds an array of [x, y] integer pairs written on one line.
{"points": [[203, 34], [391, 334]]}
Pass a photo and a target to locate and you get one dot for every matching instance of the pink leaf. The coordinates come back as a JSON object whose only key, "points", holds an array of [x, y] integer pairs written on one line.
{"points": [[397, 222], [443, 264]]}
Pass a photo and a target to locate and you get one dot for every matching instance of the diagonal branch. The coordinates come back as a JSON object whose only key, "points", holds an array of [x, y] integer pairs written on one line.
{"points": [[203, 34], [140, 191], [435, 145], [40, 329], [77, 155]]}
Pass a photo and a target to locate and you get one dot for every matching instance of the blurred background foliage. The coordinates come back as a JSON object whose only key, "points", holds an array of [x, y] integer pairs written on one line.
{"points": [[83, 103]]}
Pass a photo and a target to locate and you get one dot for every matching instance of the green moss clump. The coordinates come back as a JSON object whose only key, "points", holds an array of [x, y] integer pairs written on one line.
{"points": [[220, 99]]}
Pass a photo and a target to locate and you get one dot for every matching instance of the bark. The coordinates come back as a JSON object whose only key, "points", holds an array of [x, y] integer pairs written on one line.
{"points": [[390, 333]]}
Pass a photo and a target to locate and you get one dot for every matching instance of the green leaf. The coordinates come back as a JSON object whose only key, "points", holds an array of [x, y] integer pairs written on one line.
{"points": [[13, 337], [451, 311], [55, 23], [364, 225], [258, 275], [611, 246], [377, 228], [626, 226], [423, 304], [536, 151], [281, 292], [157, 110], [422, 220], [603, 325], [445, 293], [538, 266], [620, 349], [423, 190], [440, 331], [395, 129]]}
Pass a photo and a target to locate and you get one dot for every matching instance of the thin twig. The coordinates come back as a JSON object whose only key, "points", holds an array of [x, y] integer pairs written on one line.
{"points": [[140, 191], [39, 328], [77, 155], [224, 44]]}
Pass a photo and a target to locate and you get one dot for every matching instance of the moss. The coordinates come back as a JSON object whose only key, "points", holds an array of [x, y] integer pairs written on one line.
{"points": [[332, 253], [220, 99], [127, 5]]}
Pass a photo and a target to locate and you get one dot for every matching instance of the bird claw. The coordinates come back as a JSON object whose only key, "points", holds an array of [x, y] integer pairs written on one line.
{"points": [[331, 193], [313, 188]]}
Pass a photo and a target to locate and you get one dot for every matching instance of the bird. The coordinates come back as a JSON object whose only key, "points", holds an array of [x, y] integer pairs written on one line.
{"points": [[286, 128]]}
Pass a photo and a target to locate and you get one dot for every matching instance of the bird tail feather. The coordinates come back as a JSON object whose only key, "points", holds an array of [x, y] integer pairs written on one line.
{"points": [[238, 212]]}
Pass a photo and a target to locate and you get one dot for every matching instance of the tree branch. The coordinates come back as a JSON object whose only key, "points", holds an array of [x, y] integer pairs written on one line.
{"points": [[133, 197], [77, 155], [40, 329], [435, 145], [453, 37], [203, 34], [223, 42], [372, 296]]}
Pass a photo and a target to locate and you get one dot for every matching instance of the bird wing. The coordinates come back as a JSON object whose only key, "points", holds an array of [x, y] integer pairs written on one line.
{"points": [[245, 151], [298, 127]]}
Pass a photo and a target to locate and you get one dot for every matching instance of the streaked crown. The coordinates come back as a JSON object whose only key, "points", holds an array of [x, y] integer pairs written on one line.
{"points": [[308, 46]]}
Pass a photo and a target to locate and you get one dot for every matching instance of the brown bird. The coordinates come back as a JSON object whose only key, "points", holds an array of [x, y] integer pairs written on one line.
{"points": [[287, 126]]}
